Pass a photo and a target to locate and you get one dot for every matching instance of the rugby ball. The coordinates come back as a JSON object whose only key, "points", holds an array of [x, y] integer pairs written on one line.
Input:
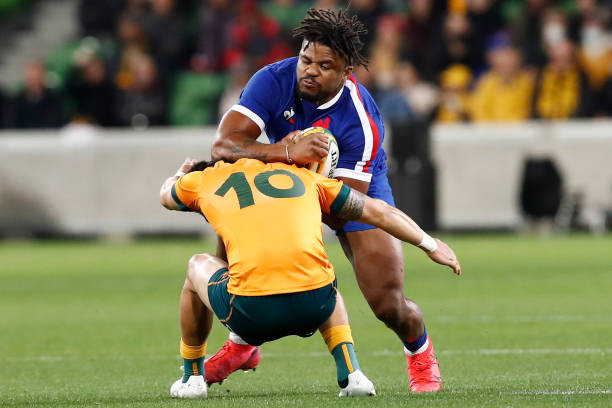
{"points": [[327, 166]]}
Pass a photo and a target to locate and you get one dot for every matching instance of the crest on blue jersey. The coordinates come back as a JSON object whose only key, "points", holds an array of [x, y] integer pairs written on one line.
{"points": [[288, 114]]}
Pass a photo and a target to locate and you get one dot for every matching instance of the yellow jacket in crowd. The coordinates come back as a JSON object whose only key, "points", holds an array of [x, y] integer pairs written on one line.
{"points": [[495, 100]]}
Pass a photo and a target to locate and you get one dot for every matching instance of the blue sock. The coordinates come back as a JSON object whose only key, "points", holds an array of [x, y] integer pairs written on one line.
{"points": [[413, 345]]}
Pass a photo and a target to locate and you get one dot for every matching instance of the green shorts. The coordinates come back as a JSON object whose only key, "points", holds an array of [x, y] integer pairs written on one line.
{"points": [[258, 319]]}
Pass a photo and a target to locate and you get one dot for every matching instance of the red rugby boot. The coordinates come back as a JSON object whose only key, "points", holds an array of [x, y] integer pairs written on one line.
{"points": [[229, 358], [424, 371]]}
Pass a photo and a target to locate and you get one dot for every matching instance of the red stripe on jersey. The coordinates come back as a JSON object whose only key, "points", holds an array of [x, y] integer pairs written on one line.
{"points": [[376, 140]]}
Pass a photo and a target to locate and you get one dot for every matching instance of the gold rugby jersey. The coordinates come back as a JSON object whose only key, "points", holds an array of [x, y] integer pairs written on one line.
{"points": [[269, 217]]}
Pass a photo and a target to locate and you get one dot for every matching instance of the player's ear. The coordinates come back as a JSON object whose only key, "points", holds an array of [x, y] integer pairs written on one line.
{"points": [[348, 70]]}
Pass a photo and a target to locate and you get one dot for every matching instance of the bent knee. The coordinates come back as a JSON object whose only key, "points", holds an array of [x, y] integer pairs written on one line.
{"points": [[388, 310], [397, 311], [197, 265], [197, 260]]}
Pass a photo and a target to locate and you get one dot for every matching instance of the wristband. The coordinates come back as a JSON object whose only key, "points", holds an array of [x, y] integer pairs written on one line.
{"points": [[287, 152], [428, 243], [179, 173]]}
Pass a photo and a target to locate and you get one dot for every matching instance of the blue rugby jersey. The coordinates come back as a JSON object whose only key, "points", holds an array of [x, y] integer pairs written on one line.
{"points": [[270, 99]]}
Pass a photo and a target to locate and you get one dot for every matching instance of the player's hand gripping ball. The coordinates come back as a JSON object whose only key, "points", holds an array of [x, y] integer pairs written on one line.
{"points": [[328, 164]]}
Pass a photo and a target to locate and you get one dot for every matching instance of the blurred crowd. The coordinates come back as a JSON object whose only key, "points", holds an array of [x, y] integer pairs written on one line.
{"points": [[430, 60]]}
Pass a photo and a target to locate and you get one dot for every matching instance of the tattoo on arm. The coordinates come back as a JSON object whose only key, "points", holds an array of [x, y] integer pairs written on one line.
{"points": [[353, 206], [238, 152]]}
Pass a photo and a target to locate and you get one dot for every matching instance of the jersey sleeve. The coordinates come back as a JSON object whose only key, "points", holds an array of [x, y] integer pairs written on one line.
{"points": [[185, 191], [361, 136], [259, 98], [332, 194]]}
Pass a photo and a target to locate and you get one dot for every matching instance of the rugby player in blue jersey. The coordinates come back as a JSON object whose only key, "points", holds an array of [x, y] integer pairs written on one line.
{"points": [[318, 88]]}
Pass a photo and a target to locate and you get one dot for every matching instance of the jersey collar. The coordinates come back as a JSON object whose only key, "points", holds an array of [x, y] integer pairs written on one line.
{"points": [[332, 101]]}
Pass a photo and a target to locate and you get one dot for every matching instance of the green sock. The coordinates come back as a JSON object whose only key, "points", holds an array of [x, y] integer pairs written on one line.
{"points": [[193, 367], [346, 362]]}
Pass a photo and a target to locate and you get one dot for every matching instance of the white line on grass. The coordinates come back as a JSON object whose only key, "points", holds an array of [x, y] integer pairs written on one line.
{"points": [[530, 351], [484, 352], [559, 392], [520, 319], [454, 352], [324, 354]]}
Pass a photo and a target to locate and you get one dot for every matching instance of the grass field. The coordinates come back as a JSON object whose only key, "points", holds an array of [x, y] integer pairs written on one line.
{"points": [[96, 324]]}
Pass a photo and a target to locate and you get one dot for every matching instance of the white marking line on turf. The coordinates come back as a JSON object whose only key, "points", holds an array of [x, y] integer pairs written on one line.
{"points": [[38, 359], [316, 354], [455, 352], [518, 319], [530, 351], [509, 351], [585, 392]]}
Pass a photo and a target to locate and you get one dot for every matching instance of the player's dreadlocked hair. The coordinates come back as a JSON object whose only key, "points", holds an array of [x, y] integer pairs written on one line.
{"points": [[336, 30]]}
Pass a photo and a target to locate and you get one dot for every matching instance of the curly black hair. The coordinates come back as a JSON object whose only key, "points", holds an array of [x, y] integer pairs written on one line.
{"points": [[203, 164], [336, 30]]}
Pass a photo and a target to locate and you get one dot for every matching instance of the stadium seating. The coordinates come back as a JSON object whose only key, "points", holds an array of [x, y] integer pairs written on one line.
{"points": [[195, 97], [10, 6]]}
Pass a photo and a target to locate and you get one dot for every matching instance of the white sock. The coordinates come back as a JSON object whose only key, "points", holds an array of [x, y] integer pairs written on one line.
{"points": [[236, 338], [419, 351]]}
